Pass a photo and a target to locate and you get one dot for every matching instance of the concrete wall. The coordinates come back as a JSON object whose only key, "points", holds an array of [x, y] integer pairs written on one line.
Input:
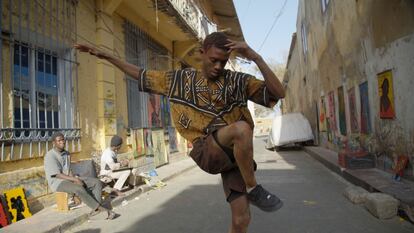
{"points": [[348, 44]]}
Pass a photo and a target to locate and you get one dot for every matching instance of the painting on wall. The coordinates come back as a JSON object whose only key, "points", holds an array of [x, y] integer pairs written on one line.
{"points": [[322, 115], [4, 220], [165, 111], [365, 115], [332, 113], [352, 110], [148, 141], [385, 90], [341, 110], [17, 204], [160, 152], [172, 134], [139, 140], [154, 111]]}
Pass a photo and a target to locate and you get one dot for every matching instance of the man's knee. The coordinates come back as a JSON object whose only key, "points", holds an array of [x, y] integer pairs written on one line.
{"points": [[241, 222], [241, 129]]}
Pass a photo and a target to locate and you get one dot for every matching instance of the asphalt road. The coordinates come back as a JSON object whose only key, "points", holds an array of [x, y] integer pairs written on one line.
{"points": [[194, 202]]}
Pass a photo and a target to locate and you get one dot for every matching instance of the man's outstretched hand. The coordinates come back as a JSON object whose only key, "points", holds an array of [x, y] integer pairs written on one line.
{"points": [[91, 50], [243, 49]]}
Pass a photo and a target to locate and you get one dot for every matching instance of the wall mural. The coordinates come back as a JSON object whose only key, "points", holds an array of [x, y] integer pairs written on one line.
{"points": [[385, 90]]}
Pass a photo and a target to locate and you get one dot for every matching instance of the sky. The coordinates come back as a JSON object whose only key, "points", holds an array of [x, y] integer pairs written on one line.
{"points": [[256, 18]]}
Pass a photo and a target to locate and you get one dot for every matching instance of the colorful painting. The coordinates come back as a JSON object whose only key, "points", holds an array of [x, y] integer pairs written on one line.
{"points": [[17, 204], [341, 109], [322, 115], [165, 111], [172, 139], [148, 141], [139, 141], [332, 113], [4, 220], [385, 89], [365, 115], [352, 110], [154, 111], [160, 152]]}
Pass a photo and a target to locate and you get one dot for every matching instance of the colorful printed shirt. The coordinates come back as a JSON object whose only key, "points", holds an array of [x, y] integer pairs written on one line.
{"points": [[199, 105]]}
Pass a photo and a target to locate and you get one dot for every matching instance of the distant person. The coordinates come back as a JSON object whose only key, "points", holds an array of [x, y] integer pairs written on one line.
{"points": [[209, 109], [110, 163], [60, 178]]}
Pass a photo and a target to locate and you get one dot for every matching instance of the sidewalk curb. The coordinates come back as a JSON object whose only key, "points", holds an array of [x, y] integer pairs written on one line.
{"points": [[131, 194], [344, 173]]}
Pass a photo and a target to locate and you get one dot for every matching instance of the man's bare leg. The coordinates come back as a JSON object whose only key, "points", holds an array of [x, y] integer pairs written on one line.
{"points": [[239, 136], [240, 215]]}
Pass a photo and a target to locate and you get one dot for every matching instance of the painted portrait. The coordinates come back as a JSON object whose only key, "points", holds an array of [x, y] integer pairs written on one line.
{"points": [[386, 95]]}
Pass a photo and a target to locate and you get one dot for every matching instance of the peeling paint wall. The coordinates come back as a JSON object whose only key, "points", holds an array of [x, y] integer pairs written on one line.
{"points": [[349, 44]]}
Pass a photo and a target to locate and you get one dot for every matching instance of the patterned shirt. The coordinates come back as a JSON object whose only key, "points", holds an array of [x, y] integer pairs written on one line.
{"points": [[199, 105]]}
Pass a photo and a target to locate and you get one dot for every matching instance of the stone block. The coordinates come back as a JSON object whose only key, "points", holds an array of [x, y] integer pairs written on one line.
{"points": [[381, 205], [356, 194]]}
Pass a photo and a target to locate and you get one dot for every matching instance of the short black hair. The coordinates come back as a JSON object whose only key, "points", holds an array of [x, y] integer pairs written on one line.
{"points": [[216, 39], [57, 134]]}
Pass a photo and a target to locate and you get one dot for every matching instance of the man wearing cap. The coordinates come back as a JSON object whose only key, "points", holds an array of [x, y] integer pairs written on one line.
{"points": [[60, 178], [109, 163]]}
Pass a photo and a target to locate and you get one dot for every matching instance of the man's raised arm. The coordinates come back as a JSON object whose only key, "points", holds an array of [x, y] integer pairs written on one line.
{"points": [[271, 81], [127, 68]]}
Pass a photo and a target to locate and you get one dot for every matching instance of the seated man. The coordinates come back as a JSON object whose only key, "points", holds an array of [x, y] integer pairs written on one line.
{"points": [[60, 178], [109, 165]]}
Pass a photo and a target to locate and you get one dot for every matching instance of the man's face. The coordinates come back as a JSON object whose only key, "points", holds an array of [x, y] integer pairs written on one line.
{"points": [[59, 143], [214, 60]]}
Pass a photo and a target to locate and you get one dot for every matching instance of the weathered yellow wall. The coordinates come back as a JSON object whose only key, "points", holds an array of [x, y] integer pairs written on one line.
{"points": [[101, 91], [350, 44]]}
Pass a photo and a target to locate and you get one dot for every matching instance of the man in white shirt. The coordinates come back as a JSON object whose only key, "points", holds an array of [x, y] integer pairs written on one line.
{"points": [[109, 163]]}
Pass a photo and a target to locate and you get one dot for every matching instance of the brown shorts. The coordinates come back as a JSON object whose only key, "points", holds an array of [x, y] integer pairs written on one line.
{"points": [[211, 157]]}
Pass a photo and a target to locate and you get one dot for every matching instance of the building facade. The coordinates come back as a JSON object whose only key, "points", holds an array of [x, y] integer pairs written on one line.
{"points": [[350, 70], [47, 86]]}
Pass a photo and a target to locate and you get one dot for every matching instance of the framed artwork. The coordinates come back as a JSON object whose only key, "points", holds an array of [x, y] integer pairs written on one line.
{"points": [[341, 110], [4, 217], [17, 204], [386, 94], [322, 115], [352, 110], [365, 114], [160, 152], [172, 134], [154, 111]]}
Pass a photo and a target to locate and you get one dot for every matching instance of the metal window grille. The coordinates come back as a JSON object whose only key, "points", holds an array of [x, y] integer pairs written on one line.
{"points": [[39, 67], [144, 52]]}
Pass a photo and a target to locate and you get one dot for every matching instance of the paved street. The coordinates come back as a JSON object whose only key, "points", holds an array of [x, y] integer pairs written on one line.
{"points": [[194, 202]]}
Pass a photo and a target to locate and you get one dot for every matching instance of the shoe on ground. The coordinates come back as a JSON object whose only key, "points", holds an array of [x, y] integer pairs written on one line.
{"points": [[112, 215], [264, 200]]}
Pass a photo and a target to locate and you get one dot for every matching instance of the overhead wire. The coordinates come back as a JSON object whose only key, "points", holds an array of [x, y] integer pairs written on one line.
{"points": [[273, 24]]}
